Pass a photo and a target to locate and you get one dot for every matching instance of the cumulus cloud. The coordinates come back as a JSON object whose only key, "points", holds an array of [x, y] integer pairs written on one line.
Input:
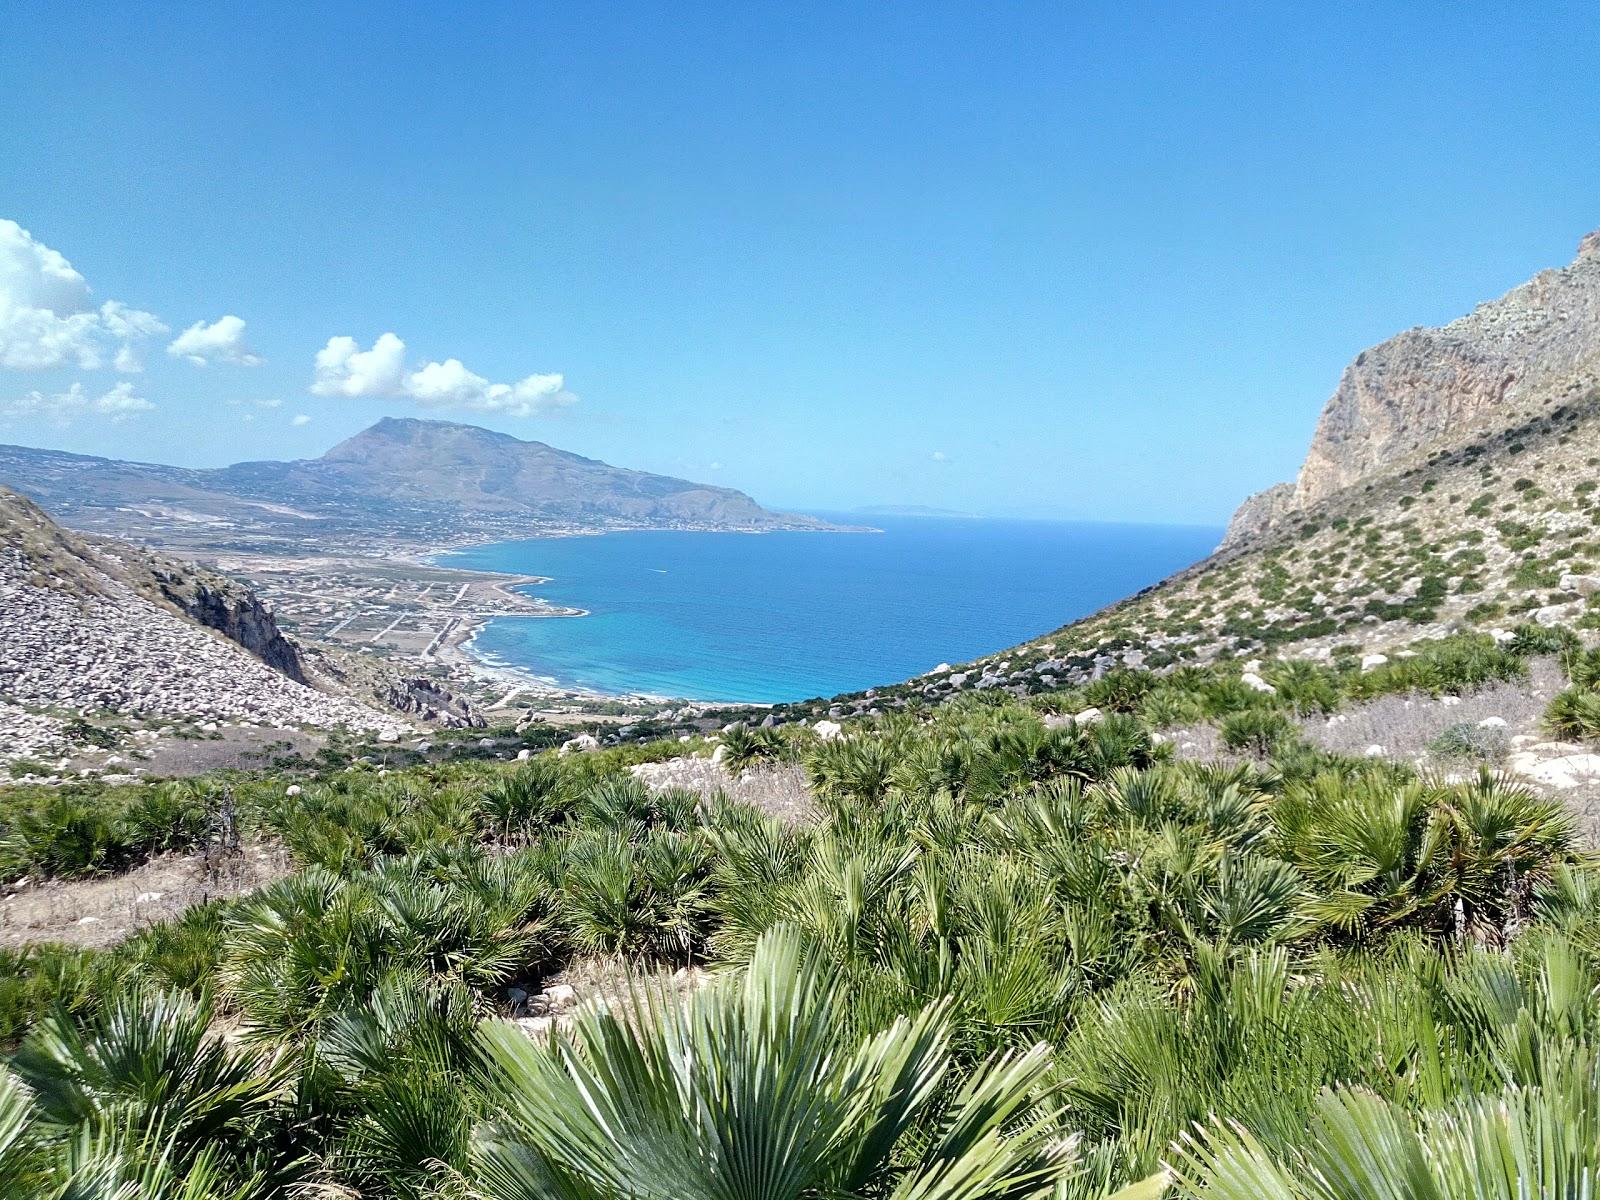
{"points": [[940, 456], [117, 404], [300, 419], [47, 316], [344, 369], [220, 341]]}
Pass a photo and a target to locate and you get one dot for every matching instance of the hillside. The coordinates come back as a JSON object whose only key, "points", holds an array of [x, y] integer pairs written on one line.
{"points": [[99, 641], [401, 480], [1451, 484]]}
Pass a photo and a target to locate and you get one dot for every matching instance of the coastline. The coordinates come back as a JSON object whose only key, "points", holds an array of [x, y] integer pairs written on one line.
{"points": [[458, 648]]}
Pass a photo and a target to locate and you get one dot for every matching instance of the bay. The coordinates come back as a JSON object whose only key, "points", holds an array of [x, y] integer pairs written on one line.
{"points": [[787, 616]]}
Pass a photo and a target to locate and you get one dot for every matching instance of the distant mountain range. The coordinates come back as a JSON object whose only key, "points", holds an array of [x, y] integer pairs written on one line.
{"points": [[401, 480]]}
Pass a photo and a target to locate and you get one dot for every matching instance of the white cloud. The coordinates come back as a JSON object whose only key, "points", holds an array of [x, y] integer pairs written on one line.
{"points": [[118, 403], [940, 456], [716, 466], [47, 318], [220, 341], [344, 369], [300, 419]]}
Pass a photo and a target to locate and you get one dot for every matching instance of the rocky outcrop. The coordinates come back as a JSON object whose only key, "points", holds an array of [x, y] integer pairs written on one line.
{"points": [[1258, 513], [432, 701], [236, 613], [1428, 391]]}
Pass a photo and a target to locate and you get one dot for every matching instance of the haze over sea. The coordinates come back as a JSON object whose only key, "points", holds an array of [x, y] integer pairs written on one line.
{"points": [[787, 616]]}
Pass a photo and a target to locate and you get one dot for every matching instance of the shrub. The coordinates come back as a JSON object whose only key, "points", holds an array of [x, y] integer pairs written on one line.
{"points": [[1468, 740], [1257, 731], [1530, 638]]}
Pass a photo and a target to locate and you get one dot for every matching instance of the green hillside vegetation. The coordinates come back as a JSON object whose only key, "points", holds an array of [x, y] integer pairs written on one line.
{"points": [[1005, 960]]}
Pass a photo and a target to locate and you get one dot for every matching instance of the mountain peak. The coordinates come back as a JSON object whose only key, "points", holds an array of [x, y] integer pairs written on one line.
{"points": [[389, 434], [412, 428]]}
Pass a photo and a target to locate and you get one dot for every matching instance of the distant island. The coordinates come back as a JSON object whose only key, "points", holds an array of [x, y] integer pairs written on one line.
{"points": [[911, 510]]}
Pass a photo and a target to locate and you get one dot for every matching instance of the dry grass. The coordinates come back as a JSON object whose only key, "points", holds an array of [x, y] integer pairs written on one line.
{"points": [[102, 911], [782, 791], [1405, 726]]}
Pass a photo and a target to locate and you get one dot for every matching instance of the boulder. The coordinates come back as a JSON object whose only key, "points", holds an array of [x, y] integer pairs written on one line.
{"points": [[562, 995], [827, 731], [1556, 764], [584, 743]]}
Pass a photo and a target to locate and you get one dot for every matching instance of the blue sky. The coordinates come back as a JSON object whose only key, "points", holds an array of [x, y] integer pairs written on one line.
{"points": [[1069, 260]]}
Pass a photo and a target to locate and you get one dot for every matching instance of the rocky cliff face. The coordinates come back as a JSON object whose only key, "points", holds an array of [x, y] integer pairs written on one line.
{"points": [[232, 610], [1429, 391], [1258, 513]]}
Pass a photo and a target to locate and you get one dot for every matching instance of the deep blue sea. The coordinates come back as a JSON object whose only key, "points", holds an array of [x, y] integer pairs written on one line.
{"points": [[787, 616]]}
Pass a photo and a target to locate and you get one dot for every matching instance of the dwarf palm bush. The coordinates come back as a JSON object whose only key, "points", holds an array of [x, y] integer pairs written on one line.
{"points": [[1202, 942], [126, 1163], [746, 747], [1257, 731], [169, 817], [1528, 639], [40, 979], [746, 1091], [1574, 713], [151, 1061], [399, 1073], [1449, 666], [629, 899], [853, 772], [1304, 686], [624, 804], [308, 948], [1380, 852], [1521, 1141], [528, 801], [1120, 690], [357, 820]]}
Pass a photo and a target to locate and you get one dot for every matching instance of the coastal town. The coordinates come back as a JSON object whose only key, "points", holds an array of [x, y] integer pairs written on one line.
{"points": [[411, 610]]}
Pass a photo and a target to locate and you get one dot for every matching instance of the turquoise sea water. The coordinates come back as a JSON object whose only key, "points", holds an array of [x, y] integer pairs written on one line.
{"points": [[786, 616]]}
